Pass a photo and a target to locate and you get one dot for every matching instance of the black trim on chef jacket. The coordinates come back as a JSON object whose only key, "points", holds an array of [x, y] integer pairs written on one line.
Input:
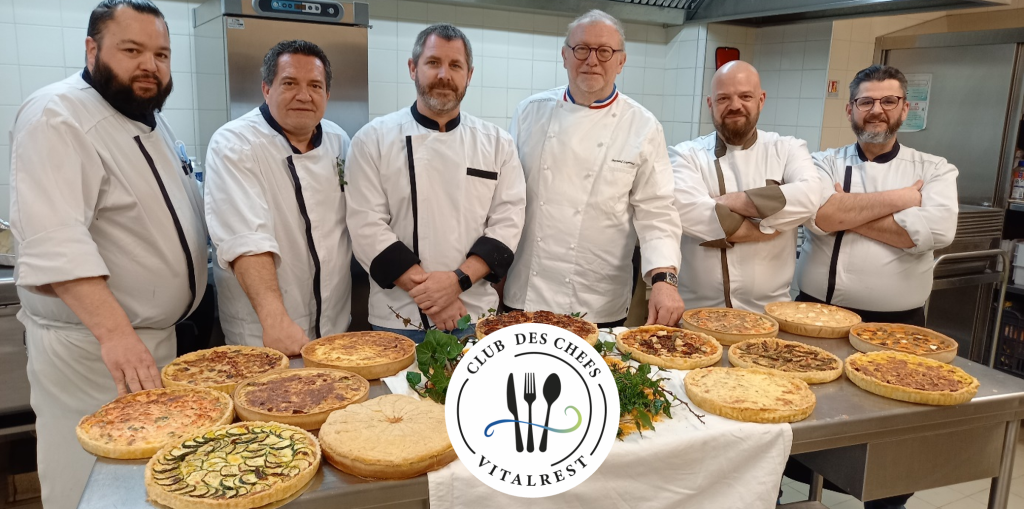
{"points": [[882, 158], [149, 119], [318, 134], [177, 226], [415, 209], [391, 263], [301, 200], [496, 254], [432, 124]]}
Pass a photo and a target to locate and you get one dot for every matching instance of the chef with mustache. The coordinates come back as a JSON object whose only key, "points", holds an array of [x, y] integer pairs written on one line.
{"points": [[435, 198], [741, 194]]}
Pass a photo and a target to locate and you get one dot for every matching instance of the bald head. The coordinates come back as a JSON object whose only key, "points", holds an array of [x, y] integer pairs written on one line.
{"points": [[735, 102]]}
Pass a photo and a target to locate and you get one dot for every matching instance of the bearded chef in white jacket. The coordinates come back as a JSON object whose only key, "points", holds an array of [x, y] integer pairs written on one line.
{"points": [[275, 206], [435, 198], [598, 177], [741, 194], [110, 237]]}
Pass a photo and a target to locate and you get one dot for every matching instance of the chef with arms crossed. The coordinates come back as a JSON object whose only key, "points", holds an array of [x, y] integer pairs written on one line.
{"points": [[435, 198], [597, 178], [885, 209], [275, 205], [108, 223], [741, 194]]}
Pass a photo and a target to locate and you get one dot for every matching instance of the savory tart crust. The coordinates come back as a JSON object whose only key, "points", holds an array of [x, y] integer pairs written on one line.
{"points": [[808, 363], [139, 424], [221, 368], [728, 325], [237, 466], [669, 347], [417, 438], [812, 319], [369, 354], [299, 397], [580, 327], [751, 395], [906, 377], [898, 337]]}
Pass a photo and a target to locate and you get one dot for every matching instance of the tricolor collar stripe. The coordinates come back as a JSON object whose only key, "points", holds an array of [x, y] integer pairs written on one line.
{"points": [[597, 105]]}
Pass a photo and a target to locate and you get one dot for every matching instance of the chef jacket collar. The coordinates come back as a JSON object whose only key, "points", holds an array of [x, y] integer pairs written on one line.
{"points": [[882, 158], [721, 148], [596, 105], [149, 119], [318, 135], [432, 124]]}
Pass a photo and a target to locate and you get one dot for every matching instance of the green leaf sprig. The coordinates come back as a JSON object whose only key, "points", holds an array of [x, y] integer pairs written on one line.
{"points": [[437, 357]]}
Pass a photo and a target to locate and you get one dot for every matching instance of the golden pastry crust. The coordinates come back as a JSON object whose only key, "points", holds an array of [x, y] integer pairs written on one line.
{"points": [[237, 466], [417, 438], [580, 327], [369, 354], [669, 347], [808, 363], [299, 397], [898, 337], [139, 424], [222, 368], [812, 319], [751, 395], [730, 326], [906, 377]]}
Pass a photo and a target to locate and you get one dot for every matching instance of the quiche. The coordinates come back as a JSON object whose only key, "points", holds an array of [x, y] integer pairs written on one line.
{"points": [[812, 319], [299, 397], [137, 425], [751, 395], [249, 464], [873, 337], [369, 354], [221, 368], [669, 347], [906, 377], [808, 363], [729, 325], [389, 437], [577, 326]]}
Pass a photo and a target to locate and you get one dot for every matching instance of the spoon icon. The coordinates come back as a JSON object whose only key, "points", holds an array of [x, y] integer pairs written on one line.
{"points": [[552, 388]]}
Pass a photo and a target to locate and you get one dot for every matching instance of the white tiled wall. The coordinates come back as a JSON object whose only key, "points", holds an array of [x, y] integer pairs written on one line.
{"points": [[720, 35]]}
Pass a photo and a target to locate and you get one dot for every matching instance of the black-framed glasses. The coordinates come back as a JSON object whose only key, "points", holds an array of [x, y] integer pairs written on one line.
{"points": [[582, 52], [887, 103]]}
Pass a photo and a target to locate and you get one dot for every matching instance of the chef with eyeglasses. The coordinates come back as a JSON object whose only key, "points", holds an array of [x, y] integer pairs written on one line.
{"points": [[598, 179]]}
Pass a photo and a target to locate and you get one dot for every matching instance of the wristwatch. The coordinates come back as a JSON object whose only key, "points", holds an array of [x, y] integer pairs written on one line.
{"points": [[464, 281], [665, 277]]}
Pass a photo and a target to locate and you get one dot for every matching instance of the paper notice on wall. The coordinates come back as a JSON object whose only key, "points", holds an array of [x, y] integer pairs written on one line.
{"points": [[919, 89]]}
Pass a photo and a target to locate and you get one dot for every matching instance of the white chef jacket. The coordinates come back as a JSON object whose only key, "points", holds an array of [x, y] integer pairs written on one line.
{"points": [[777, 174], [264, 196], [597, 177], [418, 195], [872, 275], [96, 194]]}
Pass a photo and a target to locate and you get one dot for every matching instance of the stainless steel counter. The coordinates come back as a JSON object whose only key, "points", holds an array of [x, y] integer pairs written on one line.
{"points": [[846, 418], [14, 397]]}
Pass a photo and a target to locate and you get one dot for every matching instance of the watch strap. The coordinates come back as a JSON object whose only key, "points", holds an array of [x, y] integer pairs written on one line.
{"points": [[465, 282]]}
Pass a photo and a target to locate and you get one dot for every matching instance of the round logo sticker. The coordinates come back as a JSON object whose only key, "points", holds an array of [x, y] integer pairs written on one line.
{"points": [[532, 410]]}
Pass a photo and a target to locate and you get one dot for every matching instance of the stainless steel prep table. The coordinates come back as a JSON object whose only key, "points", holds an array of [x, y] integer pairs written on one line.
{"points": [[848, 424]]}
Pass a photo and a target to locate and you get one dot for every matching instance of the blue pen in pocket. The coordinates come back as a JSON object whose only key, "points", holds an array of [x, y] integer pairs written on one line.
{"points": [[186, 163]]}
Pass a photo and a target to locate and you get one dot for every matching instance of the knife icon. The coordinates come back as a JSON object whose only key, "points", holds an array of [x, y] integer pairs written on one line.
{"points": [[511, 396]]}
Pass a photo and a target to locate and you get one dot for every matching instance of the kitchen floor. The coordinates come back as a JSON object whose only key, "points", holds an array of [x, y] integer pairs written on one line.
{"points": [[969, 495]]}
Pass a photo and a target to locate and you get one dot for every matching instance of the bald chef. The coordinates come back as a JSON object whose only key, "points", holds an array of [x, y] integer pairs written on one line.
{"points": [[110, 238], [436, 197], [741, 194], [597, 177], [275, 204]]}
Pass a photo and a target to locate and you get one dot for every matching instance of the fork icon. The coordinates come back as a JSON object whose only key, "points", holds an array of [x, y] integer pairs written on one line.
{"points": [[530, 395]]}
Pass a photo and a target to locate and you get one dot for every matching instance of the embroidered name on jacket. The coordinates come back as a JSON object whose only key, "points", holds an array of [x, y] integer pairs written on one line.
{"points": [[620, 161]]}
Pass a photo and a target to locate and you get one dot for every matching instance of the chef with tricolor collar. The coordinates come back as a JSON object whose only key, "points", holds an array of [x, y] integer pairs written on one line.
{"points": [[435, 198], [275, 205], [598, 177], [108, 223]]}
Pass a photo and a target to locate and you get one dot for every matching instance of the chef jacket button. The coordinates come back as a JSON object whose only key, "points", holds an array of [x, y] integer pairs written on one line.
{"points": [[566, 280], [534, 273], [538, 240], [572, 246], [600, 144], [545, 167], [551, 135], [614, 115], [541, 204], [590, 175], [579, 209]]}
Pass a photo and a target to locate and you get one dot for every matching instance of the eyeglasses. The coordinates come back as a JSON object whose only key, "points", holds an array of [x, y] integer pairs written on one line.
{"points": [[582, 52], [888, 102]]}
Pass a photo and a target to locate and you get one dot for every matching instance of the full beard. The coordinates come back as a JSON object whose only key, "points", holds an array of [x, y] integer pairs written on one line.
{"points": [[737, 132], [122, 96], [439, 104], [865, 136]]}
